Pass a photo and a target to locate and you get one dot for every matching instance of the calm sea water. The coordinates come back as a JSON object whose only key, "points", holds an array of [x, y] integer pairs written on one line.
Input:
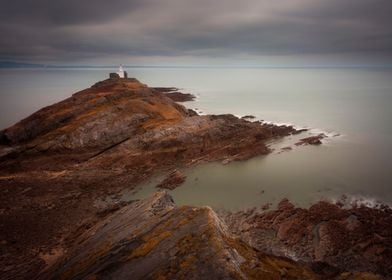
{"points": [[353, 103]]}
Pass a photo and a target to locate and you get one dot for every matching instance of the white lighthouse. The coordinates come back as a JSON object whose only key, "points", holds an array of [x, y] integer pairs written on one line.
{"points": [[120, 74], [121, 71]]}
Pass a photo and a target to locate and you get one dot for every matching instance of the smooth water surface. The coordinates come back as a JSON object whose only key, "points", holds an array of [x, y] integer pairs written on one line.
{"points": [[353, 103]]}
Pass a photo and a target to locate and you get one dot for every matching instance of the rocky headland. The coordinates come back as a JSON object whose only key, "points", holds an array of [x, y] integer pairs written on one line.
{"points": [[62, 168]]}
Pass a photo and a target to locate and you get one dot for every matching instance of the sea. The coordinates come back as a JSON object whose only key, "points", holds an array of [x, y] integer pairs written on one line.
{"points": [[352, 106]]}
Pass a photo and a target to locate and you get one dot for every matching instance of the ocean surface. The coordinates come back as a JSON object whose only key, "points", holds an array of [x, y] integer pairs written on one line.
{"points": [[353, 106]]}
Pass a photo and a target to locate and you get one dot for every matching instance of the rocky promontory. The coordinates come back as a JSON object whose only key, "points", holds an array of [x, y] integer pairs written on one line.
{"points": [[63, 167], [57, 165], [98, 126]]}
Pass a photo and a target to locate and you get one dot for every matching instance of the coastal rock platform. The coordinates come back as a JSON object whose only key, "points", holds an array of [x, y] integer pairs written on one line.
{"points": [[62, 170], [60, 163]]}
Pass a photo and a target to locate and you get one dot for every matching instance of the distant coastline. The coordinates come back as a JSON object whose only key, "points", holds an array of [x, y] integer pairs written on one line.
{"points": [[23, 65]]}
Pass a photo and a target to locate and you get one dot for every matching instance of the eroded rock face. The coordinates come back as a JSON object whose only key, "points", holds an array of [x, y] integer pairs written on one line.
{"points": [[333, 238], [154, 239]]}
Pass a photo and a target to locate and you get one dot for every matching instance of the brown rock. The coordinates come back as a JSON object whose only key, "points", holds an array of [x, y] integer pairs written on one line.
{"points": [[154, 239], [174, 94], [335, 239], [172, 181], [312, 140], [248, 117], [298, 131], [180, 97]]}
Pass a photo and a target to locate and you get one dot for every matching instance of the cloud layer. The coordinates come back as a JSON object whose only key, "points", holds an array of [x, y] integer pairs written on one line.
{"points": [[74, 31]]}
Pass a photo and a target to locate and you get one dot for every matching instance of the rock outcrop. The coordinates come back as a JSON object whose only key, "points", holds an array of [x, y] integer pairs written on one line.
{"points": [[154, 239], [60, 166], [331, 238], [175, 94], [116, 116], [312, 140], [248, 117]]}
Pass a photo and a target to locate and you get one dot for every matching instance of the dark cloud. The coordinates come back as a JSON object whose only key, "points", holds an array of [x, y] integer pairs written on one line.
{"points": [[60, 12], [76, 30]]}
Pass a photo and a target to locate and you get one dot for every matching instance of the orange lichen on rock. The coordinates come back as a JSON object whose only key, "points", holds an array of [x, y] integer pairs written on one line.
{"points": [[149, 244]]}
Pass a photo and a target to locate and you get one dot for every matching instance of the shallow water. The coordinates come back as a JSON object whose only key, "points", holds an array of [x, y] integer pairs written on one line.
{"points": [[353, 103]]}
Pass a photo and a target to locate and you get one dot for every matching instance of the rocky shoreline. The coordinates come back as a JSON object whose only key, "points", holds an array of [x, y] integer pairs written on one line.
{"points": [[175, 94], [58, 164], [331, 238]]}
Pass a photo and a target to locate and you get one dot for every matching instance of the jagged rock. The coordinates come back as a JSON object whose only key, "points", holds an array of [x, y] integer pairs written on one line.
{"points": [[172, 242], [332, 238]]}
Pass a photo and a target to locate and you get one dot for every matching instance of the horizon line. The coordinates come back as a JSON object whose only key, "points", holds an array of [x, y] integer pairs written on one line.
{"points": [[17, 65]]}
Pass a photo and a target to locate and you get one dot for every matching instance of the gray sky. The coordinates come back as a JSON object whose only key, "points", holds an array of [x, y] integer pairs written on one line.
{"points": [[196, 31]]}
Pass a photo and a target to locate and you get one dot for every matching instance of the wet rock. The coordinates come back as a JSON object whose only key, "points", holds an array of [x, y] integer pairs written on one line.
{"points": [[165, 89], [192, 113], [174, 94], [180, 97], [248, 117], [298, 131], [285, 149], [312, 140], [172, 181]]}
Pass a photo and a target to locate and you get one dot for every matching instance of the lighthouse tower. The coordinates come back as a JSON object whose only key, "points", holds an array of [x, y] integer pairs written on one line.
{"points": [[121, 72]]}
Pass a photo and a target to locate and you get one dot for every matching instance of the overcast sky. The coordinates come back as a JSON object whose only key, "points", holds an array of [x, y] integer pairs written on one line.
{"points": [[196, 31]]}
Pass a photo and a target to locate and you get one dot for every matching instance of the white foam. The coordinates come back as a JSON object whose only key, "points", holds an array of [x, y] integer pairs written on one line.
{"points": [[283, 123], [359, 200], [330, 135]]}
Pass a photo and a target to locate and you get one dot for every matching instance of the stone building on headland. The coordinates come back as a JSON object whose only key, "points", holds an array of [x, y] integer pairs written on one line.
{"points": [[121, 74]]}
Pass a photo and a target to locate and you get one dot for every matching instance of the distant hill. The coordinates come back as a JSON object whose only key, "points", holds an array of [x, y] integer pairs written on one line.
{"points": [[12, 64]]}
